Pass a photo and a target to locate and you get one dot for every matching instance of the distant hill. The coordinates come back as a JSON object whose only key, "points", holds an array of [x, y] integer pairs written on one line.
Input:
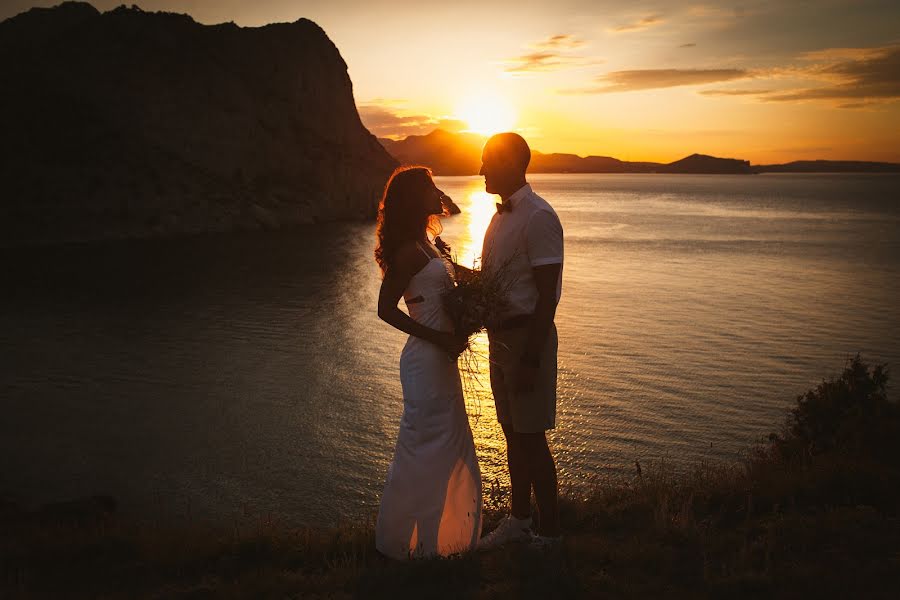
{"points": [[460, 154], [445, 153], [703, 164], [129, 123], [572, 163], [829, 166]]}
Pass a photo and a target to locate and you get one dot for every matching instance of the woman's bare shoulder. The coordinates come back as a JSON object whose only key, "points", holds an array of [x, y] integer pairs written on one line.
{"points": [[409, 257]]}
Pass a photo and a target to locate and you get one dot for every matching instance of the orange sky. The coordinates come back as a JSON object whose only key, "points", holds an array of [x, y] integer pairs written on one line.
{"points": [[765, 81]]}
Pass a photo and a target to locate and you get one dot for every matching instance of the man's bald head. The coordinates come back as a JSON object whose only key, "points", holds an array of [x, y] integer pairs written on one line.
{"points": [[504, 161], [510, 148]]}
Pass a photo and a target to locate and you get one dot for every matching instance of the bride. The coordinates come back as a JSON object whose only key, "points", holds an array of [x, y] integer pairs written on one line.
{"points": [[432, 497]]}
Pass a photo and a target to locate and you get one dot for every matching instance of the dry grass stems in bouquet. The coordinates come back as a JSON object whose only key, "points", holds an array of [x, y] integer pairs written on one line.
{"points": [[478, 300]]}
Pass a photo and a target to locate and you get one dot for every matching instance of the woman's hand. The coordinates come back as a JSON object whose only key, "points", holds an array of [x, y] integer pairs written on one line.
{"points": [[451, 343]]}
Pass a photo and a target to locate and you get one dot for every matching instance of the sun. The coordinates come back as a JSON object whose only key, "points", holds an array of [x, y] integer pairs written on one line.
{"points": [[486, 113]]}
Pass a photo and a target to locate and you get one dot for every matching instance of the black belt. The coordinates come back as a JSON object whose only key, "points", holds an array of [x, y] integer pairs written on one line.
{"points": [[515, 322]]}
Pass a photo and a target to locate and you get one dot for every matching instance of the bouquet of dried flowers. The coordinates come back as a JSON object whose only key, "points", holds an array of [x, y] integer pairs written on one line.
{"points": [[478, 300]]}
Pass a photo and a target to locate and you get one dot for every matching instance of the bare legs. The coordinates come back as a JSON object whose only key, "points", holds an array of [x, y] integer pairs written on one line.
{"points": [[531, 466]]}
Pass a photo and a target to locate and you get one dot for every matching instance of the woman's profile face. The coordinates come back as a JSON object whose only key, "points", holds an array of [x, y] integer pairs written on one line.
{"points": [[433, 200]]}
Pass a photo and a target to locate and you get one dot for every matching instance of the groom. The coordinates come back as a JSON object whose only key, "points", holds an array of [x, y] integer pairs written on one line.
{"points": [[525, 239]]}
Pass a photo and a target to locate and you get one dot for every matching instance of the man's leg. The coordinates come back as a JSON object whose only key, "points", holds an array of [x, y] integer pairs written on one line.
{"points": [[519, 473], [542, 472]]}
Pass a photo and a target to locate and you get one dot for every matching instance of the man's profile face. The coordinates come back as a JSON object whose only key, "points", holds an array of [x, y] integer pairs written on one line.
{"points": [[495, 169]]}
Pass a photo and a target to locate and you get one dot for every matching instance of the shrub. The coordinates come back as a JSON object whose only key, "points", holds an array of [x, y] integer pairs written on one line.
{"points": [[850, 414]]}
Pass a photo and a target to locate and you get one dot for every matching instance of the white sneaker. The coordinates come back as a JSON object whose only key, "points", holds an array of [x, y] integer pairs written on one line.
{"points": [[510, 529]]}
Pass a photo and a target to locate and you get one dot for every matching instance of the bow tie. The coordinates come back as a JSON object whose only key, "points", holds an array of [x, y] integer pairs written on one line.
{"points": [[505, 207]]}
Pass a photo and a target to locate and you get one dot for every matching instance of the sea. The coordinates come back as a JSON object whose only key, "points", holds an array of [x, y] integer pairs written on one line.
{"points": [[247, 375]]}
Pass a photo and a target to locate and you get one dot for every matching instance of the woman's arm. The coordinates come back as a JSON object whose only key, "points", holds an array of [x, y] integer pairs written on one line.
{"points": [[408, 262]]}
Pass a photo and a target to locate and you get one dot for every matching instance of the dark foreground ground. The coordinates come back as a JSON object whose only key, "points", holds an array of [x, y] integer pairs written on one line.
{"points": [[812, 512]]}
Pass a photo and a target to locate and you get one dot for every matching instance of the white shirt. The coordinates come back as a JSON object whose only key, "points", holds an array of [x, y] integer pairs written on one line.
{"points": [[526, 236]]}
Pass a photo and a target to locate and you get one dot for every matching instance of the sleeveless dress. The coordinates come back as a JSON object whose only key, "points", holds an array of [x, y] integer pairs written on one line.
{"points": [[432, 497]]}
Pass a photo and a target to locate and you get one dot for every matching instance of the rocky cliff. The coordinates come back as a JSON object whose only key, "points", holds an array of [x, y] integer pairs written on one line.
{"points": [[129, 123]]}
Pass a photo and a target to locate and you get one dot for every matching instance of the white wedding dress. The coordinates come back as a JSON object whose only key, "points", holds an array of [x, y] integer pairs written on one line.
{"points": [[432, 497]]}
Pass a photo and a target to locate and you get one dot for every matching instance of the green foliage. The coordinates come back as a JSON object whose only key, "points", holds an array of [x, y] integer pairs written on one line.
{"points": [[849, 414]]}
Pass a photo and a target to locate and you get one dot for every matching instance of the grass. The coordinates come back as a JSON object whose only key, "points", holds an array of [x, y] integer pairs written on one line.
{"points": [[808, 513]]}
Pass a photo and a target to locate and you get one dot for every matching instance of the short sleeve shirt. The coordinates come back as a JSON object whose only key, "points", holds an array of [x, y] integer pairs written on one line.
{"points": [[526, 236]]}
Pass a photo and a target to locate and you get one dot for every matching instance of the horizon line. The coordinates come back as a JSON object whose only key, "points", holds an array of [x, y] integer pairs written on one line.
{"points": [[688, 155]]}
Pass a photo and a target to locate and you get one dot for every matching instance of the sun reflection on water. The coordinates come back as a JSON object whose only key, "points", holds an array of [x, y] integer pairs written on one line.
{"points": [[488, 435], [467, 233], [476, 218]]}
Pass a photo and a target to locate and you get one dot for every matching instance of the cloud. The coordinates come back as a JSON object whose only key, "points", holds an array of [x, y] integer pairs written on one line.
{"points": [[541, 61], [561, 41], [719, 17], [648, 79], [839, 54], [864, 74], [734, 92], [853, 105], [849, 78], [383, 121], [552, 54], [644, 23]]}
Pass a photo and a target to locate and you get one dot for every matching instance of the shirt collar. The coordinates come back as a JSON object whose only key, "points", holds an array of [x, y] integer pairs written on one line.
{"points": [[520, 193]]}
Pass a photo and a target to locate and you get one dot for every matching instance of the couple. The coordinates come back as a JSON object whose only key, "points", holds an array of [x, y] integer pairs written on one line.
{"points": [[432, 497]]}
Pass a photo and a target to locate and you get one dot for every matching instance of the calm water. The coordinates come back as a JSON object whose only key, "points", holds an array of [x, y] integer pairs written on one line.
{"points": [[249, 373]]}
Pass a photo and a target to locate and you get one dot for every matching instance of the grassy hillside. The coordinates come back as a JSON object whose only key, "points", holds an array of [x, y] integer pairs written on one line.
{"points": [[811, 512]]}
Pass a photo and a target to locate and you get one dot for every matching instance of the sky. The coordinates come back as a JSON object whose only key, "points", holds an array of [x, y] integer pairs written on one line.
{"points": [[766, 81]]}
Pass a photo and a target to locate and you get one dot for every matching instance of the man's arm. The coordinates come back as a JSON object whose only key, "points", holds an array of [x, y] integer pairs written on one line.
{"points": [[545, 279], [544, 244]]}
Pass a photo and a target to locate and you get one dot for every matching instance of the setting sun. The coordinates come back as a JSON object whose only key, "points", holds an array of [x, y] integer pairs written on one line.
{"points": [[487, 114]]}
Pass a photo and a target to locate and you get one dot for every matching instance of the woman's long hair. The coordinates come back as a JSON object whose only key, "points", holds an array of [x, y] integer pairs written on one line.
{"points": [[402, 213]]}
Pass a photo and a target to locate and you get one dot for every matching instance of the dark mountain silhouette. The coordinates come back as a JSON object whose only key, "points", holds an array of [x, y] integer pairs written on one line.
{"points": [[460, 154], [132, 123], [703, 164], [572, 163], [830, 166], [445, 153]]}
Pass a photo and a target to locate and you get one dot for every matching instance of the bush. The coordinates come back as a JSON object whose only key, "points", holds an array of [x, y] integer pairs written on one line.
{"points": [[850, 415]]}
